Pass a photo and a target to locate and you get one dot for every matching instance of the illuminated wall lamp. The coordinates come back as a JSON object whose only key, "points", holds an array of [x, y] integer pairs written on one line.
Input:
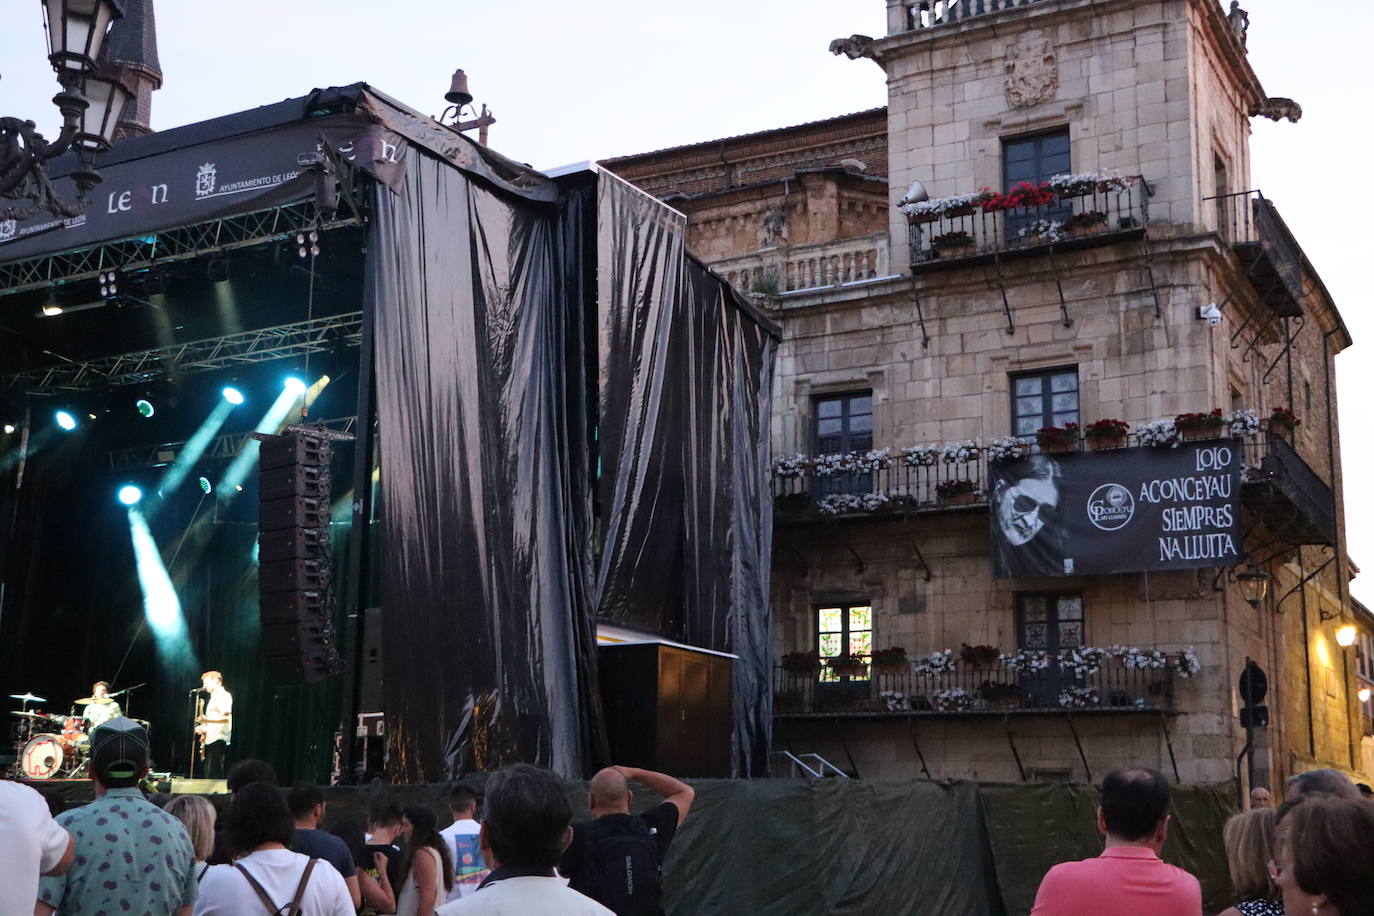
{"points": [[1345, 636], [1363, 694], [1254, 584]]}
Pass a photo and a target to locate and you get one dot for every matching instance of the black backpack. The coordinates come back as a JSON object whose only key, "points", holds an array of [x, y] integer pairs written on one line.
{"points": [[622, 868]]}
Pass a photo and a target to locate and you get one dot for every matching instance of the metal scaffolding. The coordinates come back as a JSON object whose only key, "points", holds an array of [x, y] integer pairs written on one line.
{"points": [[221, 448], [242, 230], [285, 341]]}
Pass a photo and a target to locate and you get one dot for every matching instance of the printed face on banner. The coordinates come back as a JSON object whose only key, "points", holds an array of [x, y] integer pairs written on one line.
{"points": [[1125, 511]]}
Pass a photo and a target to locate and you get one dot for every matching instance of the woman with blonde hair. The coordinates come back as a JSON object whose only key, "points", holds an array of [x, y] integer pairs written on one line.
{"points": [[196, 812], [1250, 847]]}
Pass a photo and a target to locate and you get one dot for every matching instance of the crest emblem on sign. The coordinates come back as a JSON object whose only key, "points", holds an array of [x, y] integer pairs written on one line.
{"points": [[8, 227], [205, 180], [1032, 71], [1110, 507]]}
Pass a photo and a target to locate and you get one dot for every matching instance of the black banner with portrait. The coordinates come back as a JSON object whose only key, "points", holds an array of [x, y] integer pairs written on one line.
{"points": [[1138, 509]]}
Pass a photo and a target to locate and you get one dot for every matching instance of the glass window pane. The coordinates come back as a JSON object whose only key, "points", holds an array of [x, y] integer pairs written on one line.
{"points": [[829, 645], [1034, 636], [829, 427], [861, 404], [831, 620], [1028, 386], [1055, 144], [861, 424], [1070, 607], [829, 407], [861, 442], [1070, 634], [1027, 406], [861, 643], [1064, 381], [1018, 151], [860, 618], [1028, 426], [1033, 608], [1066, 401]]}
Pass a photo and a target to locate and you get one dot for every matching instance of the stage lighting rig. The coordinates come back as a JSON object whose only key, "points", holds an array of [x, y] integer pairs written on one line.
{"points": [[109, 285], [145, 408], [232, 395], [66, 420], [129, 494], [90, 103]]}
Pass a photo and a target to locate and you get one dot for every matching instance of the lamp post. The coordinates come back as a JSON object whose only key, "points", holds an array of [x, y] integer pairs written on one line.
{"points": [[90, 103], [1254, 584]]}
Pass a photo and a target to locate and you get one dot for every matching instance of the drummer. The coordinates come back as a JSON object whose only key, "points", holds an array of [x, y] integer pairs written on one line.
{"points": [[99, 707]]}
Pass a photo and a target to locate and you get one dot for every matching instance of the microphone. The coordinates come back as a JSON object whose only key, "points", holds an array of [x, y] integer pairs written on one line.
{"points": [[195, 690]]}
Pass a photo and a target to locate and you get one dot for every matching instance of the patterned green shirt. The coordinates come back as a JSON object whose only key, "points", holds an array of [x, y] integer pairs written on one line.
{"points": [[131, 857]]}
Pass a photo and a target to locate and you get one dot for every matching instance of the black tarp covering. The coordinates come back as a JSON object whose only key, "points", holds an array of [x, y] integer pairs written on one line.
{"points": [[776, 847], [685, 372], [487, 616]]}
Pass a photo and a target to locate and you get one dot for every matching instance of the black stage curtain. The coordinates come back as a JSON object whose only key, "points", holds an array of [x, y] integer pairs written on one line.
{"points": [[487, 624], [685, 381]]}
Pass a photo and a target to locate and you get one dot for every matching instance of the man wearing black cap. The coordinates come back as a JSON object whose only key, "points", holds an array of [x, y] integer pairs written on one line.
{"points": [[131, 856]]}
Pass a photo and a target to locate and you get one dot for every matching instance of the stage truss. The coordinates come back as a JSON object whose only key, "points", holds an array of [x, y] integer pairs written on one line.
{"points": [[242, 230], [285, 341], [221, 448]]}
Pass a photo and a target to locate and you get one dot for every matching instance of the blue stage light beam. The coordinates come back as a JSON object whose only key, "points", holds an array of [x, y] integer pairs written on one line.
{"points": [[129, 494], [232, 395], [65, 420], [194, 448], [294, 393], [161, 606]]}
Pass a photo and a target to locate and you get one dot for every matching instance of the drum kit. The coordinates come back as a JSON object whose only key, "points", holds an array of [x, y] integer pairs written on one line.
{"points": [[49, 746]]}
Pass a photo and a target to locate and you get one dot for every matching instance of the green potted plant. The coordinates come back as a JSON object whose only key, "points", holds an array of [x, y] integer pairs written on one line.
{"points": [[848, 664], [891, 660], [1057, 440], [801, 662], [955, 244], [1282, 422], [1104, 435], [1200, 426], [957, 492]]}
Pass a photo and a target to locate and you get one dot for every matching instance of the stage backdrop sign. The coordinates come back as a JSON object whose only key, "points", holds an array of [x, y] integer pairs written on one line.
{"points": [[1122, 511]]}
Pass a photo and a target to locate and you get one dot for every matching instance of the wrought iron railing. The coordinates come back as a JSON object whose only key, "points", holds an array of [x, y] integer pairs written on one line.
{"points": [[1247, 219], [972, 689], [928, 14], [1273, 460], [1098, 216]]}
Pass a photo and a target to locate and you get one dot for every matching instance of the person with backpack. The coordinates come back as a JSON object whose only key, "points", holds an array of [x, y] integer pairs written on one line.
{"points": [[617, 858], [267, 878]]}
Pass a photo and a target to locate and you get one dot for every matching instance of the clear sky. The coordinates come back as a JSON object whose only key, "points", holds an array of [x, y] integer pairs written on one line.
{"points": [[580, 80]]}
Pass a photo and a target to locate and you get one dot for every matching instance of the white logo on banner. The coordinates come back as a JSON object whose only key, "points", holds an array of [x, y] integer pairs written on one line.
{"points": [[205, 180], [1110, 507], [7, 229]]}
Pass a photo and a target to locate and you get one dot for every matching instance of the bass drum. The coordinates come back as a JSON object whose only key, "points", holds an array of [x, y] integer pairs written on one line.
{"points": [[44, 757]]}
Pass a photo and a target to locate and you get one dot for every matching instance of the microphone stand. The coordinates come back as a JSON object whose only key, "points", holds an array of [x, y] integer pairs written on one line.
{"points": [[191, 754], [129, 703]]}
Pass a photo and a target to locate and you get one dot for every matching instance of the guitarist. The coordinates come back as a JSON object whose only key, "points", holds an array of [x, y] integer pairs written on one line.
{"points": [[215, 725]]}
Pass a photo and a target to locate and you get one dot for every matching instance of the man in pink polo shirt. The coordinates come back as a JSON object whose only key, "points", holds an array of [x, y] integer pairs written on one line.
{"points": [[1128, 879]]}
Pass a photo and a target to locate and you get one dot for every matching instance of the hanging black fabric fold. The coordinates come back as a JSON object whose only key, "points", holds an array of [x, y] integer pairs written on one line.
{"points": [[485, 604]]}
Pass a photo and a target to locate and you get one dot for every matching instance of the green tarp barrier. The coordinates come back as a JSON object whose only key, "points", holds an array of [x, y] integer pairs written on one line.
{"points": [[782, 847]]}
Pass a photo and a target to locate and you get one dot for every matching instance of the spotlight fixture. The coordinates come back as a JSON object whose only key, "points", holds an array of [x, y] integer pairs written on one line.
{"points": [[294, 385], [312, 239], [9, 429], [205, 485], [52, 310], [232, 395], [145, 408], [129, 494], [1345, 635], [66, 420], [109, 285], [1254, 583]]}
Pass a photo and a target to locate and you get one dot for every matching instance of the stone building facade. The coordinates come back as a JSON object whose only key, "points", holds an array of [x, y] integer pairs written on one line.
{"points": [[983, 320]]}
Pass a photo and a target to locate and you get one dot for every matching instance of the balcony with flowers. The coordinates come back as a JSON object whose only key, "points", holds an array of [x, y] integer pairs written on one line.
{"points": [[982, 680], [1065, 212]]}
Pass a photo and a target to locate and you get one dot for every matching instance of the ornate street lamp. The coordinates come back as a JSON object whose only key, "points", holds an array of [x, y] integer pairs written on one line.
{"points": [[90, 104], [1254, 584]]}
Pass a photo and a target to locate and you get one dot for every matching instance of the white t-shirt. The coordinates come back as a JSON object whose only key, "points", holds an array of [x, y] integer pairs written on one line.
{"points": [[34, 843], [468, 867], [221, 706], [523, 897], [225, 892]]}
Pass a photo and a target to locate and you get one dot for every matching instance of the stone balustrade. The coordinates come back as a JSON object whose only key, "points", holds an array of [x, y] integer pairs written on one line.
{"points": [[792, 268]]}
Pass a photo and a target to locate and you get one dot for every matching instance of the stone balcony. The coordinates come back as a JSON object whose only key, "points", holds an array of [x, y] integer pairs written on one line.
{"points": [[917, 15], [1271, 258], [789, 269]]}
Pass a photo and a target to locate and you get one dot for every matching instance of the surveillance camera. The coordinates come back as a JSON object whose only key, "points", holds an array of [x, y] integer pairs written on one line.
{"points": [[1210, 314]]}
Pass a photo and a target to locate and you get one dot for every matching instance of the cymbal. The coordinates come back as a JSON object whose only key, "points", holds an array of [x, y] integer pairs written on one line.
{"points": [[27, 698], [30, 715], [86, 701]]}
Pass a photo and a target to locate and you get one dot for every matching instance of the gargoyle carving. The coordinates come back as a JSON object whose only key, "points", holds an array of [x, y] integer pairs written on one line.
{"points": [[853, 47], [1276, 109]]}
